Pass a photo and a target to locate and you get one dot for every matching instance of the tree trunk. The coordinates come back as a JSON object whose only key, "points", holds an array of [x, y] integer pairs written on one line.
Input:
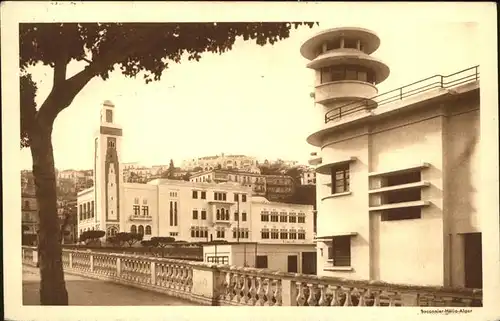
{"points": [[52, 284]]}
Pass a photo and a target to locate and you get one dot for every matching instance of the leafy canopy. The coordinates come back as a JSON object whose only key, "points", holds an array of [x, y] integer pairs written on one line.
{"points": [[134, 48]]}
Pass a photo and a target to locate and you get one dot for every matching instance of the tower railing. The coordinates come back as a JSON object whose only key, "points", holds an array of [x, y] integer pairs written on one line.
{"points": [[437, 81]]}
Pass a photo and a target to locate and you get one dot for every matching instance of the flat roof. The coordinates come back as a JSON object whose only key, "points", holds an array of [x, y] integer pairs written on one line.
{"points": [[370, 40]]}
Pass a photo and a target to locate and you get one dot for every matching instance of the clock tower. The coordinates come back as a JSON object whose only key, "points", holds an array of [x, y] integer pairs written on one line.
{"points": [[108, 175]]}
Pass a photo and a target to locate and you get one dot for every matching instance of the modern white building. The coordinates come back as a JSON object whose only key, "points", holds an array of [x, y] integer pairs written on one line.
{"points": [[397, 175], [188, 211]]}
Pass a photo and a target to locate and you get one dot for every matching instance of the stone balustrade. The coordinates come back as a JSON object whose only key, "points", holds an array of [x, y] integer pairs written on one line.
{"points": [[214, 284]]}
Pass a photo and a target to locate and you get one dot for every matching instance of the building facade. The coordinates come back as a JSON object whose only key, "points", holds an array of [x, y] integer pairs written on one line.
{"points": [[397, 178], [230, 162], [29, 206], [273, 187], [308, 177], [212, 209]]}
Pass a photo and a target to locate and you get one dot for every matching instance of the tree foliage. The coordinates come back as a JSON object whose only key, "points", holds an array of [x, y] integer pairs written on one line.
{"points": [[91, 236], [162, 241], [127, 237]]}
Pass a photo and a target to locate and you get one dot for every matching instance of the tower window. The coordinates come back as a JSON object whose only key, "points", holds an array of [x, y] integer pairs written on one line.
{"points": [[350, 43], [109, 116]]}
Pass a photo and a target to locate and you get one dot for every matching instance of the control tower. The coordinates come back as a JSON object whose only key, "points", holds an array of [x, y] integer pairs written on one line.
{"points": [[346, 75]]}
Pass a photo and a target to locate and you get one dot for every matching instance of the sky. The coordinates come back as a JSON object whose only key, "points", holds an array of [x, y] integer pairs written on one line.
{"points": [[252, 100]]}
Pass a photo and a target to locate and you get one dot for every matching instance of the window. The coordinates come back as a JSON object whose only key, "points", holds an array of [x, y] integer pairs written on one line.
{"points": [[261, 261], [340, 179], [292, 218], [195, 214], [173, 233], [195, 194], [218, 215], [171, 213], [274, 234], [145, 210], [109, 116], [221, 233], [92, 209], [264, 216], [350, 43], [203, 195], [293, 235], [264, 234], [218, 259], [283, 217], [302, 218], [236, 216], [236, 198], [140, 230], [244, 216], [274, 216], [133, 229], [283, 235], [334, 44], [396, 214], [340, 251], [192, 232], [243, 198], [148, 230], [27, 205], [400, 179], [175, 213], [144, 202], [203, 214], [301, 235], [349, 72], [80, 211], [137, 210]]}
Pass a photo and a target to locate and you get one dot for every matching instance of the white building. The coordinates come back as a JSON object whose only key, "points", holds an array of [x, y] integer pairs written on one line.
{"points": [[188, 211], [308, 177], [397, 175], [293, 258], [230, 162]]}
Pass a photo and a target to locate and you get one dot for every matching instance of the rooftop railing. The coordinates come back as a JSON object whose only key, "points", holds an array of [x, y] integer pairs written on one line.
{"points": [[437, 81], [214, 284]]}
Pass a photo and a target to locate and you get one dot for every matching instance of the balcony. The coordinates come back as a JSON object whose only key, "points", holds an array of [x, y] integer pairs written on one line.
{"points": [[247, 286], [140, 218], [354, 89], [425, 85]]}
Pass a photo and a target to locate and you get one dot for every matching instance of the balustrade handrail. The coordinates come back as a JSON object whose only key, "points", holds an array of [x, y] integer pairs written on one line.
{"points": [[440, 82], [329, 280], [181, 278]]}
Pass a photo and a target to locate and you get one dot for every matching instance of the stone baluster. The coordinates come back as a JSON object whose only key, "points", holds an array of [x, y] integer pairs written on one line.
{"points": [[277, 293], [376, 299], [361, 293], [348, 298], [118, 267], [70, 260], [301, 300], [153, 272], [322, 295], [391, 299], [229, 288], [244, 289], [311, 300], [269, 293], [253, 292], [236, 289], [91, 263], [260, 292], [335, 296]]}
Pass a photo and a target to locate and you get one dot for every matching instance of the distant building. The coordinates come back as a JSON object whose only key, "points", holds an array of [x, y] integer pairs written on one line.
{"points": [[308, 177], [29, 206], [274, 187], [187, 211], [228, 162]]}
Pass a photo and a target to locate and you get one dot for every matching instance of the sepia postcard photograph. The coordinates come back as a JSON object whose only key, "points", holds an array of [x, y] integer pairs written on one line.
{"points": [[333, 161]]}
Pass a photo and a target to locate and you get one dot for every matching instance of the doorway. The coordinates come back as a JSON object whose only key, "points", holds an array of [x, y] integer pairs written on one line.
{"points": [[261, 262], [293, 264], [309, 263], [473, 261]]}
